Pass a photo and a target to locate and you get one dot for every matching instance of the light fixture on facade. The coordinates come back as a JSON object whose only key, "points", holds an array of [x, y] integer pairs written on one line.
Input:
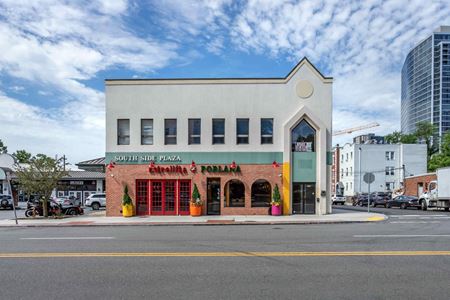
{"points": [[233, 165], [152, 165], [111, 165], [193, 167], [275, 164]]}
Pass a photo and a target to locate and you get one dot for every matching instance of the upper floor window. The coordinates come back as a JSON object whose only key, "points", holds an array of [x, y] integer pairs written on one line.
{"points": [[123, 131], [146, 131], [242, 128], [170, 131], [194, 131], [389, 155], [303, 138], [390, 170], [266, 131], [218, 131]]}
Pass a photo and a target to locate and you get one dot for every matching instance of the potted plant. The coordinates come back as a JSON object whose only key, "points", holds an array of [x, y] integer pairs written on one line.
{"points": [[276, 202], [127, 203], [196, 203]]}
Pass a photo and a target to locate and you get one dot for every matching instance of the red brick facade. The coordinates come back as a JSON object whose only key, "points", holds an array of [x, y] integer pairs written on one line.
{"points": [[412, 183], [128, 174]]}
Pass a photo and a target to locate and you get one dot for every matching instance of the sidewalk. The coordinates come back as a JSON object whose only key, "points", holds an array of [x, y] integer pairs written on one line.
{"points": [[353, 217]]}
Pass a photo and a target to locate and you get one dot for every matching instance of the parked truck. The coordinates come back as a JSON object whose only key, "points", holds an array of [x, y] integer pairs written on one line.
{"points": [[438, 194]]}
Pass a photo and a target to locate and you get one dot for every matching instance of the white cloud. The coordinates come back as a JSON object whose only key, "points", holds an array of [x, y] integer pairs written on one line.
{"points": [[56, 44], [363, 43]]}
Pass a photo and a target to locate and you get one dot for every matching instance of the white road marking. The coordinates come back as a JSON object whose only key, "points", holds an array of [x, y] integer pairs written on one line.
{"points": [[413, 222], [401, 235], [71, 238], [409, 216]]}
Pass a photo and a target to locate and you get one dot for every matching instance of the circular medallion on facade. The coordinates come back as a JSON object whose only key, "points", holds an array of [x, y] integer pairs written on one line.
{"points": [[304, 89]]}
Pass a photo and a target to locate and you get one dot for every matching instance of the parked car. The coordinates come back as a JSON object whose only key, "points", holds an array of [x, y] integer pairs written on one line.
{"points": [[361, 200], [404, 202], [338, 199], [380, 198], [6, 201], [95, 201]]}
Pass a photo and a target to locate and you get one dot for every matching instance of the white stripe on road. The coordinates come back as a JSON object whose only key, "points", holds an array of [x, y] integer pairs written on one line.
{"points": [[71, 238], [413, 222], [401, 235], [407, 216]]}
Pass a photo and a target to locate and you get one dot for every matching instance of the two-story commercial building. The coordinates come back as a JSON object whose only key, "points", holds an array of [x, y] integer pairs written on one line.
{"points": [[234, 138]]}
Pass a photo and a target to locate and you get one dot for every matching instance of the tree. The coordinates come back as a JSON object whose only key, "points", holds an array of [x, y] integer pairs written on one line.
{"points": [[440, 160], [3, 148], [393, 138], [408, 139], [40, 177], [22, 156], [425, 132]]}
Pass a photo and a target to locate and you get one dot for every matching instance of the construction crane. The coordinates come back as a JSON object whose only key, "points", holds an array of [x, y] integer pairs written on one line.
{"points": [[351, 130]]}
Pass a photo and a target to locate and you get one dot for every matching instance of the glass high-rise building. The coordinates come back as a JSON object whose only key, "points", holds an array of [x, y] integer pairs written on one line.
{"points": [[426, 83]]}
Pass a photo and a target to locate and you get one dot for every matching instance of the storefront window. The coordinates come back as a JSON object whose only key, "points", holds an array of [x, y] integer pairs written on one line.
{"points": [[261, 192], [123, 131], [170, 131], [235, 193], [194, 131], [218, 131], [242, 131], [303, 138]]}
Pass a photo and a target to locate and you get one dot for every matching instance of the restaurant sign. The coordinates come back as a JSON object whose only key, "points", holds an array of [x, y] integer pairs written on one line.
{"points": [[220, 169]]}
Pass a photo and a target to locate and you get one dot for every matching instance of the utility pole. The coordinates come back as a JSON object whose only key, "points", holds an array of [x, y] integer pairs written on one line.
{"points": [[64, 162], [360, 170]]}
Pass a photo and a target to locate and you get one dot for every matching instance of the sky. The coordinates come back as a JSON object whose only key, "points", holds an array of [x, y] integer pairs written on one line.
{"points": [[55, 55]]}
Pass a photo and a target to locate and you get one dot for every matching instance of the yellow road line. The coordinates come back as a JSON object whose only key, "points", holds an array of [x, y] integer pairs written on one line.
{"points": [[224, 254]]}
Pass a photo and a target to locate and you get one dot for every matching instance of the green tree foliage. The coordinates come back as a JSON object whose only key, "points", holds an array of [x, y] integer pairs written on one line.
{"points": [[3, 148], [22, 156], [126, 199], [40, 176], [393, 138], [425, 132], [408, 139], [440, 160]]}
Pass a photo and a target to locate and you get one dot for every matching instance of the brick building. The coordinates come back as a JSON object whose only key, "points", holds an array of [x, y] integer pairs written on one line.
{"points": [[234, 138], [416, 185]]}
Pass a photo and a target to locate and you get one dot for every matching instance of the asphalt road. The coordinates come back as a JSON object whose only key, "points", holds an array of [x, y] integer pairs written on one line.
{"points": [[338, 261], [392, 210]]}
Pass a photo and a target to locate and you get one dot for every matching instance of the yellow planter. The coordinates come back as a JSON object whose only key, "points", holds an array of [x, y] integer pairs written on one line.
{"points": [[127, 210]]}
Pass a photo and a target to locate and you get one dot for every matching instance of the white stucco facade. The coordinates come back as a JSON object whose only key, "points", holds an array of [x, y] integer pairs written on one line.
{"points": [[304, 94], [386, 161]]}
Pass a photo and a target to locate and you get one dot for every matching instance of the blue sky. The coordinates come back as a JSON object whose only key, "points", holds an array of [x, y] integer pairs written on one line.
{"points": [[56, 54]]}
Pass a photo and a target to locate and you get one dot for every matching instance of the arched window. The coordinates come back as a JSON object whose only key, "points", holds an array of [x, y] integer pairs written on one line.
{"points": [[261, 192], [235, 193], [303, 138]]}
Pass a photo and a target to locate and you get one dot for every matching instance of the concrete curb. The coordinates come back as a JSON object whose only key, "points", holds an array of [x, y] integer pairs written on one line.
{"points": [[226, 222]]}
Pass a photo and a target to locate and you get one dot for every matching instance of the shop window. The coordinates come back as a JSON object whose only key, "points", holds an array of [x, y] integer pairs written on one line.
{"points": [[242, 131], [170, 131], [194, 131], [303, 138], [261, 193], [266, 131], [123, 131], [218, 131], [146, 131], [141, 197], [235, 193]]}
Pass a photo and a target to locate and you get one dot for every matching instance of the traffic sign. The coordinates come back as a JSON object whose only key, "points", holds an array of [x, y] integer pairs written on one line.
{"points": [[369, 178]]}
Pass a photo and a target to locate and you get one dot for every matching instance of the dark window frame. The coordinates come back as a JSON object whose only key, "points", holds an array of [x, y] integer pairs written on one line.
{"points": [[218, 136], [191, 136], [169, 136], [240, 137], [265, 135], [119, 136], [143, 136]]}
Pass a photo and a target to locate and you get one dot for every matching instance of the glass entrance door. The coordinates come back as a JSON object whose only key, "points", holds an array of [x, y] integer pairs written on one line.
{"points": [[303, 198], [213, 196]]}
